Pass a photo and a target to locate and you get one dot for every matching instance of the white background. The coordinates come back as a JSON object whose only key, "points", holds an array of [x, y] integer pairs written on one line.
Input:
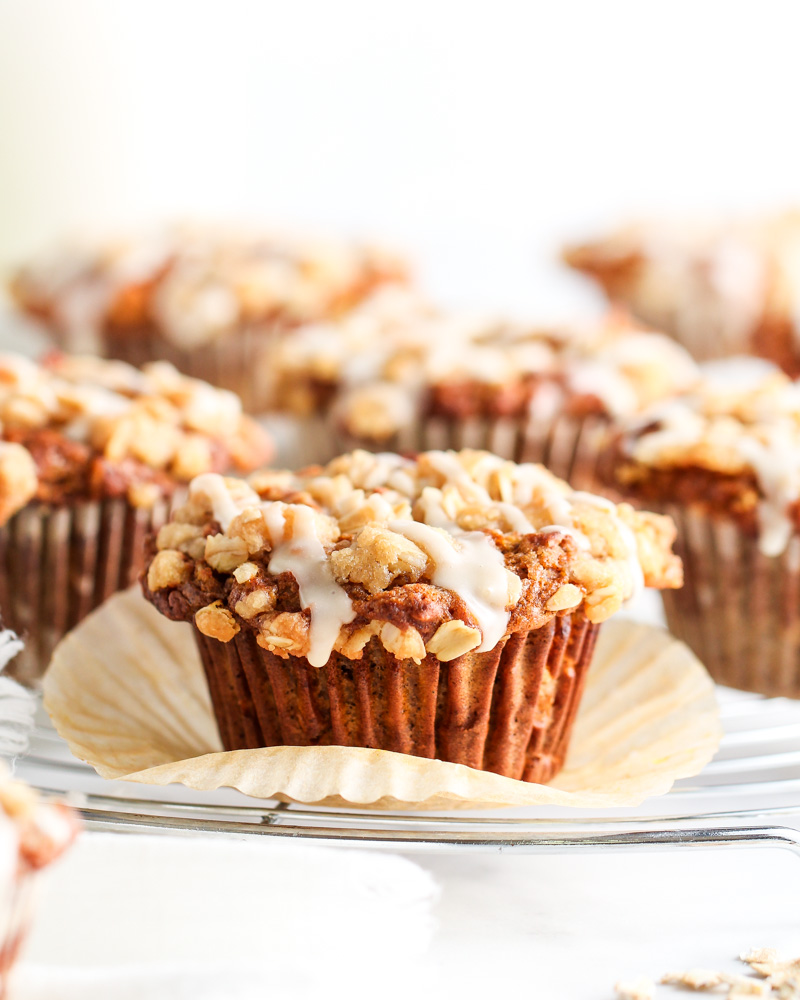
{"points": [[477, 134]]}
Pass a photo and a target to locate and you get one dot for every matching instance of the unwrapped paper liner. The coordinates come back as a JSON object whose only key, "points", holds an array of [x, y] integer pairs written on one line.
{"points": [[127, 692]]}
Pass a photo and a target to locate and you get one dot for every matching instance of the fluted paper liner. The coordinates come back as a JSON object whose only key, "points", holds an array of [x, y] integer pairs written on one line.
{"points": [[59, 563], [127, 692], [570, 446], [240, 361], [740, 609]]}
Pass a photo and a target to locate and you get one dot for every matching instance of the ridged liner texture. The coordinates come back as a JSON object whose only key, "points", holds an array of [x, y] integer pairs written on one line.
{"points": [[239, 361], [739, 610], [509, 710], [59, 563], [571, 447]]}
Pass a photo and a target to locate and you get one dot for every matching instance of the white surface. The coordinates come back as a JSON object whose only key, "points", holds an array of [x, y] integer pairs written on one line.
{"points": [[152, 911], [220, 921]]}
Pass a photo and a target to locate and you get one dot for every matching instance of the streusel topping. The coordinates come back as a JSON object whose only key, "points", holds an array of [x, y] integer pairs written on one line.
{"points": [[440, 555], [741, 422], [396, 359], [75, 427], [710, 282], [196, 283]]}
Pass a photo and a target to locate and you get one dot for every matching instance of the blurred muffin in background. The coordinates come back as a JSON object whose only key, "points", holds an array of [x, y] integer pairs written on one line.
{"points": [[397, 374], [33, 834], [444, 606], [720, 288], [724, 462], [212, 300], [92, 453]]}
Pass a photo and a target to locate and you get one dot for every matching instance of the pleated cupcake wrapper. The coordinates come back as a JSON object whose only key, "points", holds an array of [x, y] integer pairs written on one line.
{"points": [[509, 710], [240, 361], [17, 904], [739, 610], [299, 441], [571, 447], [128, 692], [59, 563]]}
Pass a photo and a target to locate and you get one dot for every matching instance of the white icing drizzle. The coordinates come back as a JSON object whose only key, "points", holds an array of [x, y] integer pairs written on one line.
{"points": [[470, 565], [303, 555], [746, 408], [776, 464], [467, 563], [225, 505], [516, 518]]}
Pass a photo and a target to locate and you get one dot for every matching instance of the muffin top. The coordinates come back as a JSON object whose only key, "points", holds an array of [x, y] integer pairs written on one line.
{"points": [[196, 283], [730, 446], [724, 275], [397, 358], [75, 428], [439, 555], [33, 833]]}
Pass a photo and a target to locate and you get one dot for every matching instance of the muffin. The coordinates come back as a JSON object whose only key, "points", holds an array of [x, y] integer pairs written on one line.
{"points": [[720, 288], [724, 462], [442, 607], [92, 454], [33, 834], [212, 300], [399, 375]]}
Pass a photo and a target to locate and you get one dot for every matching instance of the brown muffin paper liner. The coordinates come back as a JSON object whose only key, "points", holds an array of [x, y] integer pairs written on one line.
{"points": [[127, 691], [59, 563], [240, 361], [509, 710], [739, 610], [571, 447], [299, 441]]}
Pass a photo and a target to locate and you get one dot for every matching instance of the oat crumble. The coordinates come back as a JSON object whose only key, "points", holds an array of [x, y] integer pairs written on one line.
{"points": [[439, 556]]}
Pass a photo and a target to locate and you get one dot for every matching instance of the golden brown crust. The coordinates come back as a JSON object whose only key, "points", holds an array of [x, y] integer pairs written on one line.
{"points": [[80, 428]]}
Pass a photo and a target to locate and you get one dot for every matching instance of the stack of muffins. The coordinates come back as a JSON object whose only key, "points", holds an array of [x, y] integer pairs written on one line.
{"points": [[427, 588]]}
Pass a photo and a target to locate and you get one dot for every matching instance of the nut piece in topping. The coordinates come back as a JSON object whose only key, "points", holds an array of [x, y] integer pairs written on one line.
{"points": [[18, 479], [216, 622], [286, 634], [567, 596], [405, 644], [351, 644], [143, 495], [186, 538], [245, 572], [376, 557], [225, 554], [169, 568], [193, 457], [258, 602], [251, 528], [453, 639]]}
